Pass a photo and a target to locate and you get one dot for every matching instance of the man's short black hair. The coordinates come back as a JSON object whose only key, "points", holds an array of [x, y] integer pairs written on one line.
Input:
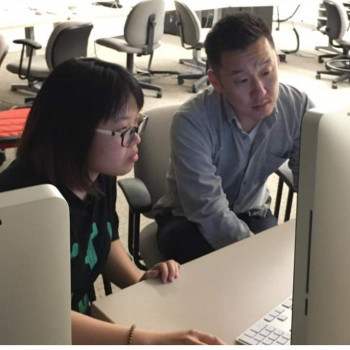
{"points": [[234, 32]]}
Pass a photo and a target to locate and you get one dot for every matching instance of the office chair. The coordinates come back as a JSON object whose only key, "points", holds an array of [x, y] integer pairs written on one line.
{"points": [[143, 191], [143, 30], [332, 48], [337, 29], [4, 47], [67, 40], [192, 38], [285, 176]]}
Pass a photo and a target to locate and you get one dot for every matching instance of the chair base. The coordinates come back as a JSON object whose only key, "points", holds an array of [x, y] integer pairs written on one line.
{"points": [[331, 52], [202, 79], [192, 63], [337, 67]]}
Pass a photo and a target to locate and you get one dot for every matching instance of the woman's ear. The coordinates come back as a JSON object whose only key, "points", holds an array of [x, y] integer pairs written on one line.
{"points": [[214, 81]]}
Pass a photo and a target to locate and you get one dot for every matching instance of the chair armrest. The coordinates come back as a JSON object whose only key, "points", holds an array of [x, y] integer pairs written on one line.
{"points": [[136, 194], [28, 42]]}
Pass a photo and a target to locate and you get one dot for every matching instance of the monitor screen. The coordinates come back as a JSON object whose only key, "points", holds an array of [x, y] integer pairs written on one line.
{"points": [[321, 287]]}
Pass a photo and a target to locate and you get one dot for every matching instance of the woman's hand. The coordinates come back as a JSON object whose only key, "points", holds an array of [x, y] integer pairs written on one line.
{"points": [[192, 337], [167, 271], [188, 337]]}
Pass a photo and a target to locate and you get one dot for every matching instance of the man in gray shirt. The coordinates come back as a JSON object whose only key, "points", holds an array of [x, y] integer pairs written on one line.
{"points": [[227, 141]]}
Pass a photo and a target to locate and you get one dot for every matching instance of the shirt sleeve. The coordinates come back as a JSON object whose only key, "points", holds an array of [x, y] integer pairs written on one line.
{"points": [[200, 188]]}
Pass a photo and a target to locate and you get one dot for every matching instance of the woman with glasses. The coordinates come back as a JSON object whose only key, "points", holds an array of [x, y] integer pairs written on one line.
{"points": [[83, 130]]}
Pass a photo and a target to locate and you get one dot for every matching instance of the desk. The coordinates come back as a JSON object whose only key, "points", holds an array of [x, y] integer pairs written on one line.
{"points": [[224, 292]]}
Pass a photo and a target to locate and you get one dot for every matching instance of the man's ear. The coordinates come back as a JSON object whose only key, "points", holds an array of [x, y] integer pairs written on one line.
{"points": [[214, 81]]}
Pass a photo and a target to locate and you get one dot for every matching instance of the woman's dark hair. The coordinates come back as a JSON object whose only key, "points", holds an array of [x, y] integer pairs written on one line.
{"points": [[76, 96], [234, 32]]}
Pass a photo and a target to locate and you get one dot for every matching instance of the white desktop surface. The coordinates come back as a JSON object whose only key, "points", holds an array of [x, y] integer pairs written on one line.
{"points": [[223, 293]]}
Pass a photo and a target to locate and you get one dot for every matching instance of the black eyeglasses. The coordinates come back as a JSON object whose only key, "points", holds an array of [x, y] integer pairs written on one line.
{"points": [[128, 134]]}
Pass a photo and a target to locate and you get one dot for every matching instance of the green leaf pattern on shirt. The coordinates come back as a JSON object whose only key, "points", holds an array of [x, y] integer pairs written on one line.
{"points": [[83, 304], [91, 256], [109, 228]]}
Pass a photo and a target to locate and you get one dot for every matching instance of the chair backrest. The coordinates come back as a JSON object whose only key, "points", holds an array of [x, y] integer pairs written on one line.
{"points": [[337, 19], [188, 24], [154, 151], [4, 47], [67, 40], [135, 29]]}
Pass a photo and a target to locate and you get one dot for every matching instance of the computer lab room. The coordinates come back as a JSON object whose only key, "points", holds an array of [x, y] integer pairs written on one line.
{"points": [[174, 172]]}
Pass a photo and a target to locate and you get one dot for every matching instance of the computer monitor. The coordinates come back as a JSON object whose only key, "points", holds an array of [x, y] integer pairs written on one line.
{"points": [[34, 267], [321, 288]]}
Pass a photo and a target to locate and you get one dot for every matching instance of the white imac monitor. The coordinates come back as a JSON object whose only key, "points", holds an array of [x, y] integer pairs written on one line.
{"points": [[321, 291], [34, 267]]}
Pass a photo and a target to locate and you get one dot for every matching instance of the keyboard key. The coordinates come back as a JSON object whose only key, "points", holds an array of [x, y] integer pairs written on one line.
{"points": [[279, 310], [271, 329], [250, 334], [281, 341], [247, 340], [267, 341], [278, 332], [287, 303], [269, 318], [260, 338], [286, 336], [274, 336], [258, 327], [265, 333], [274, 313], [282, 317]]}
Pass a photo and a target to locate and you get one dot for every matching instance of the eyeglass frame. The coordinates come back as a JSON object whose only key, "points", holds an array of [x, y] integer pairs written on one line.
{"points": [[132, 129]]}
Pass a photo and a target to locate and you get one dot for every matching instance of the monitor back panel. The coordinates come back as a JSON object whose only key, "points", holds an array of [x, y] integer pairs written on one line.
{"points": [[321, 292], [34, 267]]}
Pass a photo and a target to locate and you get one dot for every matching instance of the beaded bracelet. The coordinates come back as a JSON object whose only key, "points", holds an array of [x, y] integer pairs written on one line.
{"points": [[131, 333]]}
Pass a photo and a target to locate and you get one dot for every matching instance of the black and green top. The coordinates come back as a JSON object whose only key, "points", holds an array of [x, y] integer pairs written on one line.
{"points": [[93, 226]]}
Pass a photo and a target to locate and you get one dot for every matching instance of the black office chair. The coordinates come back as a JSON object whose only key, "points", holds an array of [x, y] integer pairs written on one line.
{"points": [[107, 289], [67, 40], [192, 38], [143, 30], [337, 29], [285, 177]]}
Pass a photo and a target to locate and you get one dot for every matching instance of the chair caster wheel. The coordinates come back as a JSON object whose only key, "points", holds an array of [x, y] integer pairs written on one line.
{"points": [[180, 81], [194, 89], [334, 86], [159, 94], [320, 60], [318, 76]]}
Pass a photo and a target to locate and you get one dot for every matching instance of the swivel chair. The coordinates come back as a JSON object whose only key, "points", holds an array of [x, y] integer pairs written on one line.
{"points": [[337, 29], [4, 47], [67, 40], [285, 177], [192, 38], [143, 30], [331, 50], [143, 191]]}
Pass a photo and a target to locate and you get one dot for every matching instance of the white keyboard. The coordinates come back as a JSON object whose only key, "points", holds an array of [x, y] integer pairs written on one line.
{"points": [[273, 329]]}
